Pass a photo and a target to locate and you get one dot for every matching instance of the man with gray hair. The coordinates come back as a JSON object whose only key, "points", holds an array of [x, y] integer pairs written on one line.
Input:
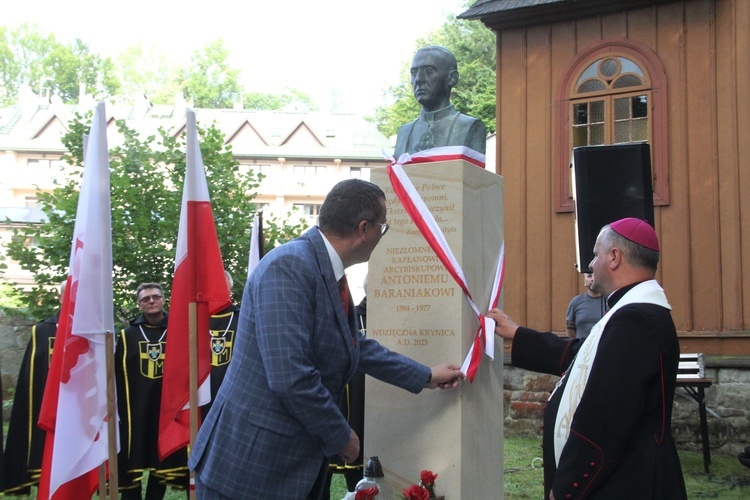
{"points": [[607, 426], [139, 371], [434, 73]]}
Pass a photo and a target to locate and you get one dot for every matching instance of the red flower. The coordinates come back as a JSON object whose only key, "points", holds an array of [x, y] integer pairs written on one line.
{"points": [[368, 494], [415, 492], [427, 477]]}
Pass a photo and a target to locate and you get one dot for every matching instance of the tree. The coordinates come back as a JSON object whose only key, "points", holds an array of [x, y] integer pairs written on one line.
{"points": [[29, 57], [10, 69], [473, 44], [147, 72], [146, 177], [209, 80], [277, 102]]}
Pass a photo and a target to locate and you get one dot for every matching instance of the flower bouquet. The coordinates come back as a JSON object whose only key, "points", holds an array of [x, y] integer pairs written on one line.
{"points": [[425, 490]]}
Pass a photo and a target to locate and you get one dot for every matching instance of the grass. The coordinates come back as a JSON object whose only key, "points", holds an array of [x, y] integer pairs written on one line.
{"points": [[523, 474], [727, 479]]}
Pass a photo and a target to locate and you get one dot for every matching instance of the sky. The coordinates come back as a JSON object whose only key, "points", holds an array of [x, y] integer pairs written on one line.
{"points": [[354, 49]]}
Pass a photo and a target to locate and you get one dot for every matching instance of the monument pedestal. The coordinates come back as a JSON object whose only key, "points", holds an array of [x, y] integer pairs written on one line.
{"points": [[416, 308]]}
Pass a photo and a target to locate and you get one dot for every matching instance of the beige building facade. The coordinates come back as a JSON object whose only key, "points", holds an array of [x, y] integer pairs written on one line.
{"points": [[301, 154]]}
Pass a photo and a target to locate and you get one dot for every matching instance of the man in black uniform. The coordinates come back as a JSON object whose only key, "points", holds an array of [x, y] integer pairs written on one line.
{"points": [[139, 368], [25, 446], [223, 327]]}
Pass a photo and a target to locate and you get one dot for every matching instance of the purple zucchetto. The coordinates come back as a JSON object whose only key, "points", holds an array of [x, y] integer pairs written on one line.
{"points": [[638, 231]]}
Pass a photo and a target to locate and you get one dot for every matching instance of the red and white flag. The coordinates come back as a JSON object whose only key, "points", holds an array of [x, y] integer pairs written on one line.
{"points": [[75, 397], [198, 278]]}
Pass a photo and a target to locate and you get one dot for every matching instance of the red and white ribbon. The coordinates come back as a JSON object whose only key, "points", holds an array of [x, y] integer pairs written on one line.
{"points": [[425, 222], [446, 153]]}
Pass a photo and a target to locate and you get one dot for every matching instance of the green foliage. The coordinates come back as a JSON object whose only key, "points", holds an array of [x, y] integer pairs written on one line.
{"points": [[146, 72], [276, 102], [146, 177], [404, 109], [473, 44], [29, 57], [10, 298], [209, 80]]}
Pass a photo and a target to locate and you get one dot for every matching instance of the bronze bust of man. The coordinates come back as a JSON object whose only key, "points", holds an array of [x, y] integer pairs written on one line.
{"points": [[434, 73]]}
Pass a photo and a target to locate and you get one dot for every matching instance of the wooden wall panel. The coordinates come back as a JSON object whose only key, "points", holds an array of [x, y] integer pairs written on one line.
{"points": [[728, 166], [539, 178], [588, 31], [614, 25], [672, 221], [642, 26], [566, 281], [705, 49], [742, 40], [510, 154], [704, 253]]}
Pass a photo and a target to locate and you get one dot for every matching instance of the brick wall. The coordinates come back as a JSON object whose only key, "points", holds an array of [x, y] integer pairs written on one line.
{"points": [[727, 402]]}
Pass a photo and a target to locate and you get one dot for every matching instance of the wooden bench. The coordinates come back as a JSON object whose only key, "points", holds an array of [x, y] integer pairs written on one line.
{"points": [[691, 376]]}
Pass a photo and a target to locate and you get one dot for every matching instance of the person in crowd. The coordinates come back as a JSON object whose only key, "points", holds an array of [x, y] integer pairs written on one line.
{"points": [[276, 419], [434, 73], [607, 427], [584, 310], [24, 448], [223, 328], [139, 368]]}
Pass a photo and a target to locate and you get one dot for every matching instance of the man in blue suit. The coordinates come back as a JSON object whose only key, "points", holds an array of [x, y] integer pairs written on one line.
{"points": [[276, 419]]}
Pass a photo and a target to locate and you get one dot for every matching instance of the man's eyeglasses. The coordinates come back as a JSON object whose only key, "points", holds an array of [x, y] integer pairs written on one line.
{"points": [[384, 226], [149, 298]]}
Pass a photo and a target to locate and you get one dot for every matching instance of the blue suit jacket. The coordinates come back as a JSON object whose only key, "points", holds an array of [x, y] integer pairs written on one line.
{"points": [[276, 417]]}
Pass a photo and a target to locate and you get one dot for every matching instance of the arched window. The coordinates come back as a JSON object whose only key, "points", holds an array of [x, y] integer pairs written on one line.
{"points": [[613, 93]]}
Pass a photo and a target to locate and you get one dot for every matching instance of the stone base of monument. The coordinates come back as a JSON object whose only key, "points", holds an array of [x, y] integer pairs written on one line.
{"points": [[415, 307]]}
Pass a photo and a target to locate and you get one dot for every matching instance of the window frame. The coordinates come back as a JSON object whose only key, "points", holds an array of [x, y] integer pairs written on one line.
{"points": [[566, 97]]}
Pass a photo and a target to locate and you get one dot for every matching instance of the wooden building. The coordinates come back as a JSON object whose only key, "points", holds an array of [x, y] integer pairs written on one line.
{"points": [[675, 73]]}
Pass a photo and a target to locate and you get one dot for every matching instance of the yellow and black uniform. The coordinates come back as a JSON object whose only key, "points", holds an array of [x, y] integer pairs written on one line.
{"points": [[223, 327], [139, 369], [25, 444]]}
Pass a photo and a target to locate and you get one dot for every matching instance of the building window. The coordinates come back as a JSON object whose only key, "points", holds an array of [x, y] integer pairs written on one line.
{"points": [[613, 93], [308, 211], [605, 108], [355, 172], [310, 170]]}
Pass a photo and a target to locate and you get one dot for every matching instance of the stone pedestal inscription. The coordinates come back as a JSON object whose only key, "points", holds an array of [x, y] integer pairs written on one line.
{"points": [[416, 307]]}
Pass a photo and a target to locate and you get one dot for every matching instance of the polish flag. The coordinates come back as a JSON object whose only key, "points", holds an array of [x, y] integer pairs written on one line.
{"points": [[199, 279], [75, 397]]}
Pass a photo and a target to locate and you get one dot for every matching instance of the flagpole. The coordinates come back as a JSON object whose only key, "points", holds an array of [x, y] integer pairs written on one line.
{"points": [[102, 482], [112, 424], [193, 369]]}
